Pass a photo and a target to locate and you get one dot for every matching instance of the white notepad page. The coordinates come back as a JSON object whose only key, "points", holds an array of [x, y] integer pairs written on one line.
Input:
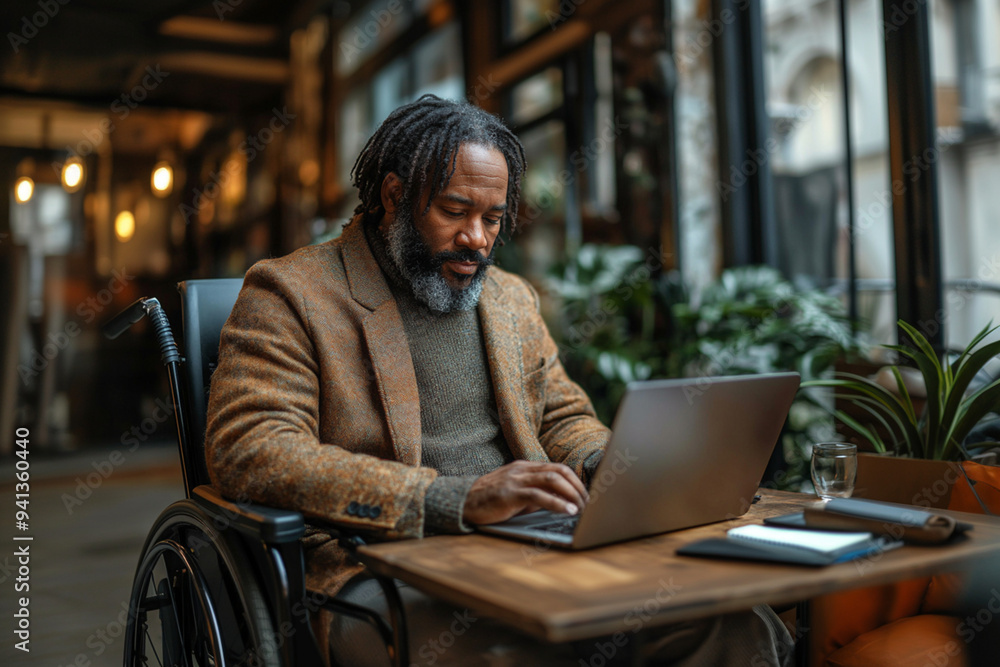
{"points": [[815, 540]]}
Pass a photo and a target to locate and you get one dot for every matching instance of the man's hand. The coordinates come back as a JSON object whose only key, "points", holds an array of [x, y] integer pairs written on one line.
{"points": [[524, 486]]}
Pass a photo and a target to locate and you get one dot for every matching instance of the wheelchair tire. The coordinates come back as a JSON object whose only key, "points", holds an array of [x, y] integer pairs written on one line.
{"points": [[195, 601]]}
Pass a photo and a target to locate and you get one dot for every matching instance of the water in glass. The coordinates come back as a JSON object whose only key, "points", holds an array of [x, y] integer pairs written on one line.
{"points": [[834, 469]]}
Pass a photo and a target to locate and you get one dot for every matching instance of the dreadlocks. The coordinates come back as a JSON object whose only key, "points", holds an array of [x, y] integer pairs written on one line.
{"points": [[419, 142]]}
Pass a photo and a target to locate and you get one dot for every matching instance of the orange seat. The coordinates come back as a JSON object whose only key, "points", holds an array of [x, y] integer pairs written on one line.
{"points": [[904, 623], [926, 639]]}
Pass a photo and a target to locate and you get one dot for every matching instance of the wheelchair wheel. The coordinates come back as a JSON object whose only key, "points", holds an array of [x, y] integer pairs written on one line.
{"points": [[195, 602]]}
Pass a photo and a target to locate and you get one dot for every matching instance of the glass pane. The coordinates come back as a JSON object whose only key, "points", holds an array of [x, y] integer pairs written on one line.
{"points": [[536, 96], [437, 64], [369, 30], [807, 151], [697, 147], [390, 89], [526, 17], [539, 240], [965, 37], [874, 251], [356, 125]]}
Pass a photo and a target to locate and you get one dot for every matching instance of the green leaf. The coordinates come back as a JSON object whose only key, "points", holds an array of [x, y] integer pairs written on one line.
{"points": [[981, 403], [863, 431], [924, 346], [869, 405], [892, 403], [907, 402], [978, 338], [930, 366], [966, 372]]}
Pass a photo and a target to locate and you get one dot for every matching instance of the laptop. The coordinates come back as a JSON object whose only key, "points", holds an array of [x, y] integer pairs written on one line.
{"points": [[682, 453]]}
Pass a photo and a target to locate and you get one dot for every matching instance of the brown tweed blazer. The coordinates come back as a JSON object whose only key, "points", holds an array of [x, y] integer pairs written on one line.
{"points": [[314, 404]]}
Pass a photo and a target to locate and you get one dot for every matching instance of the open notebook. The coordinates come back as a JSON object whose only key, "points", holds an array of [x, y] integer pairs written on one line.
{"points": [[789, 545]]}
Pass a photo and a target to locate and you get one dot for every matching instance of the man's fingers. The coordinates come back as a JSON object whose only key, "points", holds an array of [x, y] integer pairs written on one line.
{"points": [[547, 501], [522, 485], [556, 485], [558, 474]]}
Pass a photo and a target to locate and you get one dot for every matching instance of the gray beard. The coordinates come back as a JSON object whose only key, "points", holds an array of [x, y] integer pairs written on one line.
{"points": [[413, 259]]}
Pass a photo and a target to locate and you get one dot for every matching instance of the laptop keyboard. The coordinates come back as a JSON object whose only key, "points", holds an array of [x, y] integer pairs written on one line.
{"points": [[563, 526]]}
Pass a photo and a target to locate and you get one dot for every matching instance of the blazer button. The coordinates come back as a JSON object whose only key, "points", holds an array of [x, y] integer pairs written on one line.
{"points": [[363, 511], [352, 508], [374, 512]]}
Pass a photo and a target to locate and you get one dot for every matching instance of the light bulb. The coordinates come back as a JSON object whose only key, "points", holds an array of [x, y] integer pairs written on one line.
{"points": [[124, 225], [72, 175], [23, 189], [162, 179]]}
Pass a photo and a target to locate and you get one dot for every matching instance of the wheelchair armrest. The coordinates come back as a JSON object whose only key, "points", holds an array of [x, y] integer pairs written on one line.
{"points": [[269, 524]]}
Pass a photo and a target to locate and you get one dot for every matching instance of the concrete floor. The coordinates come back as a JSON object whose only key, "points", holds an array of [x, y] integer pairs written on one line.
{"points": [[88, 530]]}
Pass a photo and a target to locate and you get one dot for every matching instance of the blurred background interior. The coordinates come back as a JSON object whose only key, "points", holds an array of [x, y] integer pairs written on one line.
{"points": [[714, 186], [699, 173]]}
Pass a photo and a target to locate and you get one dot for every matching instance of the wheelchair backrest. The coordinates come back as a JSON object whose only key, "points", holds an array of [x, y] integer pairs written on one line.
{"points": [[205, 307]]}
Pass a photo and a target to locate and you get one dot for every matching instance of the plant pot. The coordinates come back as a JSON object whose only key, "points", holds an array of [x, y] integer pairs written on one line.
{"points": [[896, 479]]}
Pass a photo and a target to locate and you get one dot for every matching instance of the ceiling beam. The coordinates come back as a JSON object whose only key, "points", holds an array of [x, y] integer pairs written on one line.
{"points": [[212, 30], [241, 68]]}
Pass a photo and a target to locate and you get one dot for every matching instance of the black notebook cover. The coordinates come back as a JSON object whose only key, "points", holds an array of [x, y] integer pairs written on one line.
{"points": [[718, 547]]}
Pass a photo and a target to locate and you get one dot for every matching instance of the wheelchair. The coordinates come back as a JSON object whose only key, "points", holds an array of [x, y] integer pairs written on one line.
{"points": [[222, 583]]}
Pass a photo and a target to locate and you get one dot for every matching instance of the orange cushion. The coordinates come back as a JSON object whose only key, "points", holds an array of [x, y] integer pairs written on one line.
{"points": [[838, 618], [944, 589], [920, 641], [987, 481]]}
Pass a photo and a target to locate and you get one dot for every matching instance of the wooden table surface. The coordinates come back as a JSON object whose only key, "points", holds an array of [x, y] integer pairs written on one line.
{"points": [[560, 595]]}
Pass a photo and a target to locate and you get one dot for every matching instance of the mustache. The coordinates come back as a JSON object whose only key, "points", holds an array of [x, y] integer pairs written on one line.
{"points": [[466, 255]]}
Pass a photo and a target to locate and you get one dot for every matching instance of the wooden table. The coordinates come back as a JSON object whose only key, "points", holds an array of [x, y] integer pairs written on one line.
{"points": [[559, 595]]}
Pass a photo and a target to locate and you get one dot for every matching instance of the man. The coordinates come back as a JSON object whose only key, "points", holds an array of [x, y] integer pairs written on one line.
{"points": [[390, 381]]}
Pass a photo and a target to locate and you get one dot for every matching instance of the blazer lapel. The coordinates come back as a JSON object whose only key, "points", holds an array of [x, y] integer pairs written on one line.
{"points": [[506, 361], [388, 349]]}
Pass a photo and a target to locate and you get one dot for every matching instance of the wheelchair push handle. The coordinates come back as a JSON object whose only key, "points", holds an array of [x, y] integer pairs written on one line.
{"points": [[135, 312]]}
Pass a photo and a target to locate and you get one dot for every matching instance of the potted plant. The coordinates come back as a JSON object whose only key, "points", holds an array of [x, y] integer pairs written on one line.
{"points": [[620, 319], [939, 431]]}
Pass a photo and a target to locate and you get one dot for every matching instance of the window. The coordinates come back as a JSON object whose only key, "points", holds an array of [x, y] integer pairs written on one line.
{"points": [[524, 18], [430, 65], [966, 77], [807, 152]]}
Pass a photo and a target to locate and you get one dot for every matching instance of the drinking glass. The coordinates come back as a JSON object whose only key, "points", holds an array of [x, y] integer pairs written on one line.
{"points": [[834, 468]]}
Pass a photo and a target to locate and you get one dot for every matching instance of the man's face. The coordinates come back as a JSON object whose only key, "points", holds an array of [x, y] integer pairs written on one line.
{"points": [[444, 252]]}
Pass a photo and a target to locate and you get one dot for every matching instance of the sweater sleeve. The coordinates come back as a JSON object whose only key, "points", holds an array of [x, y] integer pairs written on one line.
{"points": [[445, 503]]}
